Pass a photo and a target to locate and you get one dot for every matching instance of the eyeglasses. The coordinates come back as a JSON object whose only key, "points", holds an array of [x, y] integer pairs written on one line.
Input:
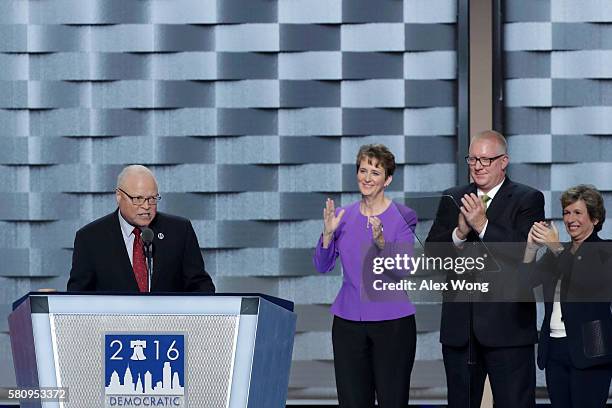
{"points": [[484, 161], [141, 200]]}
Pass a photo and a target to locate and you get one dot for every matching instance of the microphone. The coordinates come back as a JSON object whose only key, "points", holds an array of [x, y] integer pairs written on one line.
{"points": [[147, 235]]}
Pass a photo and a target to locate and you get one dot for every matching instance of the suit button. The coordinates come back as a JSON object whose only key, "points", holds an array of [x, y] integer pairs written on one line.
{"points": [[580, 257]]}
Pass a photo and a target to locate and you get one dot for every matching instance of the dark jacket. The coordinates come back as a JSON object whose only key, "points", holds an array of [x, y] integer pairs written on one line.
{"points": [[511, 214], [100, 261], [585, 275]]}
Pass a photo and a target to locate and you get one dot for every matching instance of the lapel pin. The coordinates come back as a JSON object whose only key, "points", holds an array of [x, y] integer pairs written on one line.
{"points": [[160, 235]]}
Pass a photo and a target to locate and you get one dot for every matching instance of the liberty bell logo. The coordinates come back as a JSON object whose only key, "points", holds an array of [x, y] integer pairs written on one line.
{"points": [[138, 346]]}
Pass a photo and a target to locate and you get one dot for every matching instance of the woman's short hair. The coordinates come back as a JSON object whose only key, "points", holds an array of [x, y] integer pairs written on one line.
{"points": [[592, 199], [379, 152]]}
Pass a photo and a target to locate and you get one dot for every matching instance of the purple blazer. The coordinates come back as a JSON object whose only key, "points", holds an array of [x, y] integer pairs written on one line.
{"points": [[353, 243]]}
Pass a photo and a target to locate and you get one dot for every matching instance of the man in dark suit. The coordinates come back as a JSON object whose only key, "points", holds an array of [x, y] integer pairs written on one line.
{"points": [[109, 255], [501, 335]]}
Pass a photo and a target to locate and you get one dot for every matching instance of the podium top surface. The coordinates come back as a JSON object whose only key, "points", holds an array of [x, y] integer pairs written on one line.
{"points": [[42, 298]]}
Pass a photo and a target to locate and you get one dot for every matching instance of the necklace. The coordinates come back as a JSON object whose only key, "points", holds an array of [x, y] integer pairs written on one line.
{"points": [[363, 209]]}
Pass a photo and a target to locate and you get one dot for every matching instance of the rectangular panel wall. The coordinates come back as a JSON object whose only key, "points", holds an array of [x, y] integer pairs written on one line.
{"points": [[250, 113]]}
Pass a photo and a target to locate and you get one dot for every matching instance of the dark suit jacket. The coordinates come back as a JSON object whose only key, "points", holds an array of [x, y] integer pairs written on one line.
{"points": [[585, 275], [511, 214], [100, 261]]}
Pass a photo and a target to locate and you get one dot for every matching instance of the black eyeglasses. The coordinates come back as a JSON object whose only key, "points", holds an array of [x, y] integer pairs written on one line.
{"points": [[484, 161], [141, 200]]}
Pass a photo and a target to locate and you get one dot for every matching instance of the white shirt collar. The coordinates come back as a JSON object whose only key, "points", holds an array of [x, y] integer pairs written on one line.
{"points": [[493, 191], [127, 229]]}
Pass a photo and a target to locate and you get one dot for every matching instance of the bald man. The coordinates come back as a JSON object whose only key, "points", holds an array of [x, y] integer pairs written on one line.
{"points": [[493, 209], [109, 256]]}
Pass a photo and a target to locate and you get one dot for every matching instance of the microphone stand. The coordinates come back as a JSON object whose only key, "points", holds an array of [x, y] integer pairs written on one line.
{"points": [[471, 361], [147, 242], [148, 251]]}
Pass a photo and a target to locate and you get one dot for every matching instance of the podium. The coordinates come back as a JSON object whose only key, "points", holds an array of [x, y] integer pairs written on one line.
{"points": [[162, 350]]}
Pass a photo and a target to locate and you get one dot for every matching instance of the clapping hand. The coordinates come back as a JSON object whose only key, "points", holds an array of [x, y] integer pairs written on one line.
{"points": [[377, 229], [474, 211], [543, 234], [463, 229]]}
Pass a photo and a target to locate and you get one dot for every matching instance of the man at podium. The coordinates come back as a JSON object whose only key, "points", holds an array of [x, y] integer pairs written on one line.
{"points": [[110, 254]]}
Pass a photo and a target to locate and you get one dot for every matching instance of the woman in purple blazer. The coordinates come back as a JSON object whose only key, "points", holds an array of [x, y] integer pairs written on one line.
{"points": [[373, 334]]}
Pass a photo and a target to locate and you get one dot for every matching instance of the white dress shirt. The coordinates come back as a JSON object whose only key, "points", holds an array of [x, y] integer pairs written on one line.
{"points": [[127, 230], [557, 327]]}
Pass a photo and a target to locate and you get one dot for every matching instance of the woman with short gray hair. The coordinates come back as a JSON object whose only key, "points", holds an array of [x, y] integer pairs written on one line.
{"points": [[575, 345]]}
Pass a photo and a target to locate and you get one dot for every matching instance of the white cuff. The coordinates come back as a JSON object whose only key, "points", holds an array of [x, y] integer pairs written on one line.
{"points": [[484, 229], [456, 240]]}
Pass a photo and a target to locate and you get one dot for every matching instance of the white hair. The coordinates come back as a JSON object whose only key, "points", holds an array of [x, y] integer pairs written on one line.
{"points": [[133, 169]]}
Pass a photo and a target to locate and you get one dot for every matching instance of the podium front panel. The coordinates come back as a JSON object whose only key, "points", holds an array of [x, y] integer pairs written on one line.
{"points": [[137, 351]]}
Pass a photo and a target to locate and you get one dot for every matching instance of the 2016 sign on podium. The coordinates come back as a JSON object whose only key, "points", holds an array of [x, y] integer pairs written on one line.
{"points": [[144, 370]]}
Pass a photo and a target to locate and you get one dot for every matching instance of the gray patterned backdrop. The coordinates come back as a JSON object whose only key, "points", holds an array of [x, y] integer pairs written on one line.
{"points": [[558, 66], [250, 113]]}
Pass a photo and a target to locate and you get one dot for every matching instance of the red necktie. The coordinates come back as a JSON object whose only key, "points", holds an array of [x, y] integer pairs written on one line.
{"points": [[139, 263]]}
